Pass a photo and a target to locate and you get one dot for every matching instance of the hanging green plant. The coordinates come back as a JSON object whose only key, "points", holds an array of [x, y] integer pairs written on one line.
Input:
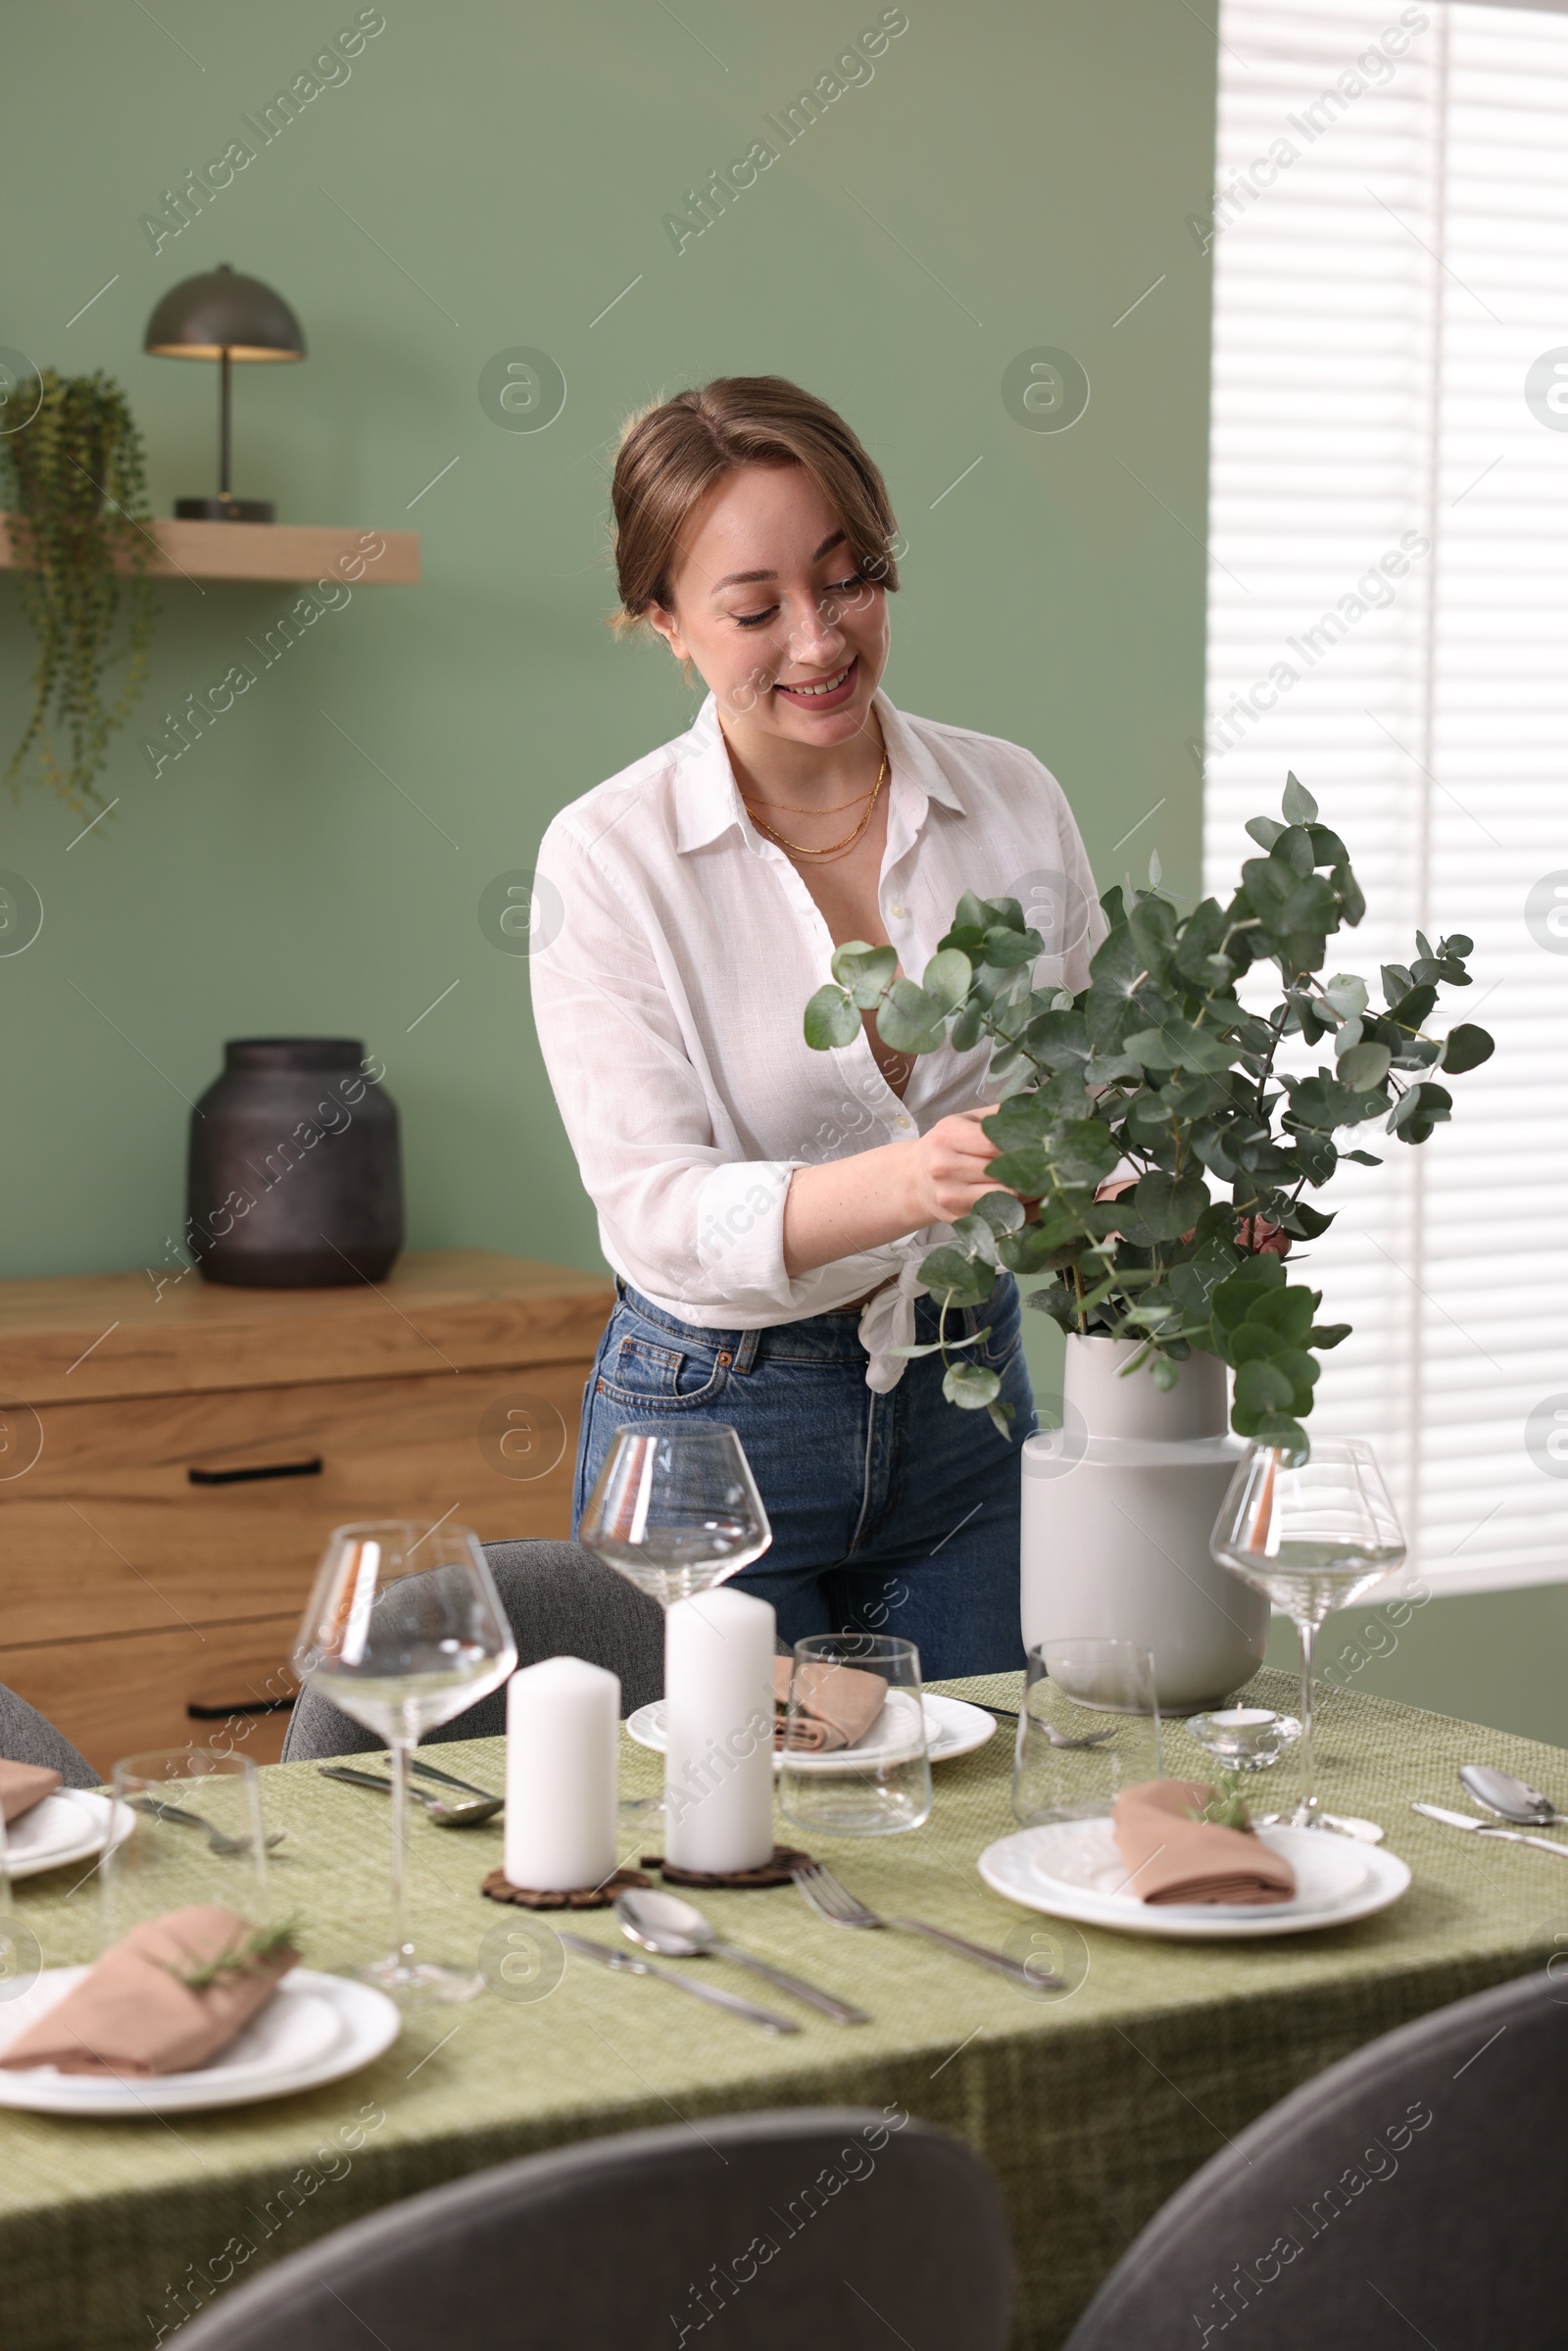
{"points": [[74, 481]]}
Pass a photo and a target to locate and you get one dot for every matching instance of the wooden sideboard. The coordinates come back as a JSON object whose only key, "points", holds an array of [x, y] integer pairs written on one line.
{"points": [[172, 1458]]}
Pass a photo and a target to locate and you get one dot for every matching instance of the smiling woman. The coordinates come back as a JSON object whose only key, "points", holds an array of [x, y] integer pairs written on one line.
{"points": [[766, 1251]]}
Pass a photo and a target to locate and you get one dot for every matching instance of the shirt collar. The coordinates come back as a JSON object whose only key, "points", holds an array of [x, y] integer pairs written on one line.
{"points": [[708, 800]]}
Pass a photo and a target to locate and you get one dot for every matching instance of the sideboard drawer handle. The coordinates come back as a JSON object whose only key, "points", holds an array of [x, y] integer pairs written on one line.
{"points": [[220, 1714], [243, 1477]]}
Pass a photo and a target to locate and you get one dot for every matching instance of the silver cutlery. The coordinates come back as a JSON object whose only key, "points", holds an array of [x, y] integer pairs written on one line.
{"points": [[1058, 1739], [427, 1771], [1467, 1819], [466, 1815], [217, 1839], [835, 1904], [677, 1930], [626, 1963], [1366, 1833], [1513, 1799]]}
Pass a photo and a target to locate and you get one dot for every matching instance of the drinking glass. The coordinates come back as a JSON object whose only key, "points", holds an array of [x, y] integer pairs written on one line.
{"points": [[198, 1840], [891, 1789], [403, 1630], [1315, 1535], [1088, 1728], [674, 1511]]}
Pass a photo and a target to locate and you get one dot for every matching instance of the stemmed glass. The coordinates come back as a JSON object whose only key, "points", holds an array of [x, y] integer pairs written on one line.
{"points": [[404, 1629], [1315, 1535], [674, 1511]]}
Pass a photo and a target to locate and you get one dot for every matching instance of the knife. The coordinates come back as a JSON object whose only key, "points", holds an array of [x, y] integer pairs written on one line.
{"points": [[626, 1963], [1465, 1820]]}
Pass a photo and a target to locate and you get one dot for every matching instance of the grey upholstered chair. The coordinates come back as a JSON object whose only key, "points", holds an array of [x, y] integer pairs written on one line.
{"points": [[1396, 2198], [817, 2230], [28, 1736], [561, 1602]]}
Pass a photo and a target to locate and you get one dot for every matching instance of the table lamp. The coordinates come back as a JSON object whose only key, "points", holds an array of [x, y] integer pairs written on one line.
{"points": [[221, 316]]}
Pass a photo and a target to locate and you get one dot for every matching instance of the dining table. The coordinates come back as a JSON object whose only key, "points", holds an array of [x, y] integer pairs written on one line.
{"points": [[1093, 2092]]}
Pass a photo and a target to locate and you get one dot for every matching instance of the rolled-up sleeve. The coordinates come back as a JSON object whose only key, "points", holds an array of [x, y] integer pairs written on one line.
{"points": [[680, 1216]]}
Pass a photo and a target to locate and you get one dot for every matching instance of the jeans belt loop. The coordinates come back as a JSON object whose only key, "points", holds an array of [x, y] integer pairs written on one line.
{"points": [[746, 1352]]}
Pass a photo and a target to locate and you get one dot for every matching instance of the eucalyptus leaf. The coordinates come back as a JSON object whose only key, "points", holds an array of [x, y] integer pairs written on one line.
{"points": [[1297, 806], [908, 1020], [947, 978], [970, 1386], [865, 971], [831, 1019], [1364, 1066]]}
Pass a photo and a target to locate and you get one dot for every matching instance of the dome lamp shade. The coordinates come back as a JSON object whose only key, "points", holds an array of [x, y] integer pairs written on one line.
{"points": [[225, 317]]}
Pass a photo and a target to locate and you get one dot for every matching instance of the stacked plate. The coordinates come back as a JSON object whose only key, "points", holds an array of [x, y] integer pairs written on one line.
{"points": [[72, 1824], [952, 1727], [317, 2028], [1072, 1870]]}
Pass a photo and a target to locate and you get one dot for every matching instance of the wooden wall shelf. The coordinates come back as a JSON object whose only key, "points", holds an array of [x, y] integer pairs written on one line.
{"points": [[272, 551]]}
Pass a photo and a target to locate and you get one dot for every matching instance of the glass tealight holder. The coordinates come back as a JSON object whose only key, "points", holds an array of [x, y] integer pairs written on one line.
{"points": [[1244, 1738]]}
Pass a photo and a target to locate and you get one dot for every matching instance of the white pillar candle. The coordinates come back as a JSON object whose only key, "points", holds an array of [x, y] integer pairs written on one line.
{"points": [[562, 1741], [718, 1715]]}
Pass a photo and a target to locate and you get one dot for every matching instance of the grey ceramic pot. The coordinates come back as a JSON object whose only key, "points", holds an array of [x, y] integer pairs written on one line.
{"points": [[295, 1173]]}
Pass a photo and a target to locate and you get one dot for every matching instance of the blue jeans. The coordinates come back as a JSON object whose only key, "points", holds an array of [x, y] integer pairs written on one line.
{"points": [[894, 1513]]}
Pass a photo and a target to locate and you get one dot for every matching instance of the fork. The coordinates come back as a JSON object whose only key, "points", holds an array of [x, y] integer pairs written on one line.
{"points": [[840, 1908]]}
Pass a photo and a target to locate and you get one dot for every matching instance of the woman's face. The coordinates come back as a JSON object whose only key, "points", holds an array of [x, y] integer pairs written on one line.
{"points": [[768, 604]]}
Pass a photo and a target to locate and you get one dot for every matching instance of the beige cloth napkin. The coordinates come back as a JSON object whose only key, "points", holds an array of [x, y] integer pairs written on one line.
{"points": [[1171, 1858], [837, 1705], [134, 2016], [24, 1785]]}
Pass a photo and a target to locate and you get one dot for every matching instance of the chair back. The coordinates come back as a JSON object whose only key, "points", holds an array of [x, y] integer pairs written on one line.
{"points": [[1401, 2197], [28, 1736], [813, 2229], [560, 1601]]}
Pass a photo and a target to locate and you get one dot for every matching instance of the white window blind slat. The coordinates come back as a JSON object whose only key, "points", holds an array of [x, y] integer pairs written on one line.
{"points": [[1376, 309]]}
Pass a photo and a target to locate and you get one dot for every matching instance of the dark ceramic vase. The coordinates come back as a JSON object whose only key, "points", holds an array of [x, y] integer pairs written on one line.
{"points": [[296, 1174]]}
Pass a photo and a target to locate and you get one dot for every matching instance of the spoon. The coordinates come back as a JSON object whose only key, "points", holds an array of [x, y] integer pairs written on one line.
{"points": [[217, 1839], [1511, 1799], [461, 1815], [677, 1930]]}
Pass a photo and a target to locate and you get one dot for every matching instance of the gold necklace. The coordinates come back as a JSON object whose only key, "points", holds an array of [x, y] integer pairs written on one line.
{"points": [[790, 808], [834, 847]]}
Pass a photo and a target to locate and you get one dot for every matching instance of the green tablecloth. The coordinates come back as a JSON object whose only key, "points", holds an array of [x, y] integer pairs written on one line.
{"points": [[1091, 2109]]}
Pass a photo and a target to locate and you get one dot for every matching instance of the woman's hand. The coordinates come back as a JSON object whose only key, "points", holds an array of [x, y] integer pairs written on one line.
{"points": [[835, 1210], [949, 1171]]}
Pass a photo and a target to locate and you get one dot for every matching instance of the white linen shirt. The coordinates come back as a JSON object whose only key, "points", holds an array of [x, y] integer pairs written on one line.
{"points": [[675, 948]]}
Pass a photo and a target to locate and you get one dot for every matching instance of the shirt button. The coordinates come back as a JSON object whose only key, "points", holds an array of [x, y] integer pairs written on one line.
{"points": [[904, 1119], [897, 910]]}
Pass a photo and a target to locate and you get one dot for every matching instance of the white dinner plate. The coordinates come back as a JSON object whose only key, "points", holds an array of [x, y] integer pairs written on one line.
{"points": [[952, 1727], [316, 2029], [72, 1825], [1072, 1870]]}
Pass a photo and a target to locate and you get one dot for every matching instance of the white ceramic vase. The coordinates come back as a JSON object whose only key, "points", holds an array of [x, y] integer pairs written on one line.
{"points": [[1117, 1509]]}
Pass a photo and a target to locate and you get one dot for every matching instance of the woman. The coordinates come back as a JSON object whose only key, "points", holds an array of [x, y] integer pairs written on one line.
{"points": [[766, 1206]]}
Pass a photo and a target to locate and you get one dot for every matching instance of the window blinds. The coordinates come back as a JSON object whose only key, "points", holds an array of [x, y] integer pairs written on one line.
{"points": [[1387, 605]]}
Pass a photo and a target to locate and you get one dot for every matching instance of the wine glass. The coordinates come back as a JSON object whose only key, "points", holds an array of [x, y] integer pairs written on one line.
{"points": [[1315, 1535], [404, 1629], [674, 1511]]}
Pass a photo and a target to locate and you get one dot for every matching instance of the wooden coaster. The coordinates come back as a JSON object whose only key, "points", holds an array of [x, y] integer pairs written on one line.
{"points": [[776, 1872], [499, 1887]]}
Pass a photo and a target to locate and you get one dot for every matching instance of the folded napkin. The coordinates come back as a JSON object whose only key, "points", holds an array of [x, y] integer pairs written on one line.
{"points": [[24, 1785], [836, 1705], [132, 2015], [1171, 1858]]}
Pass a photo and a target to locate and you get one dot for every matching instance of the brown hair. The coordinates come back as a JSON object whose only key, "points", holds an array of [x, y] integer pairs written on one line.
{"points": [[673, 454]]}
